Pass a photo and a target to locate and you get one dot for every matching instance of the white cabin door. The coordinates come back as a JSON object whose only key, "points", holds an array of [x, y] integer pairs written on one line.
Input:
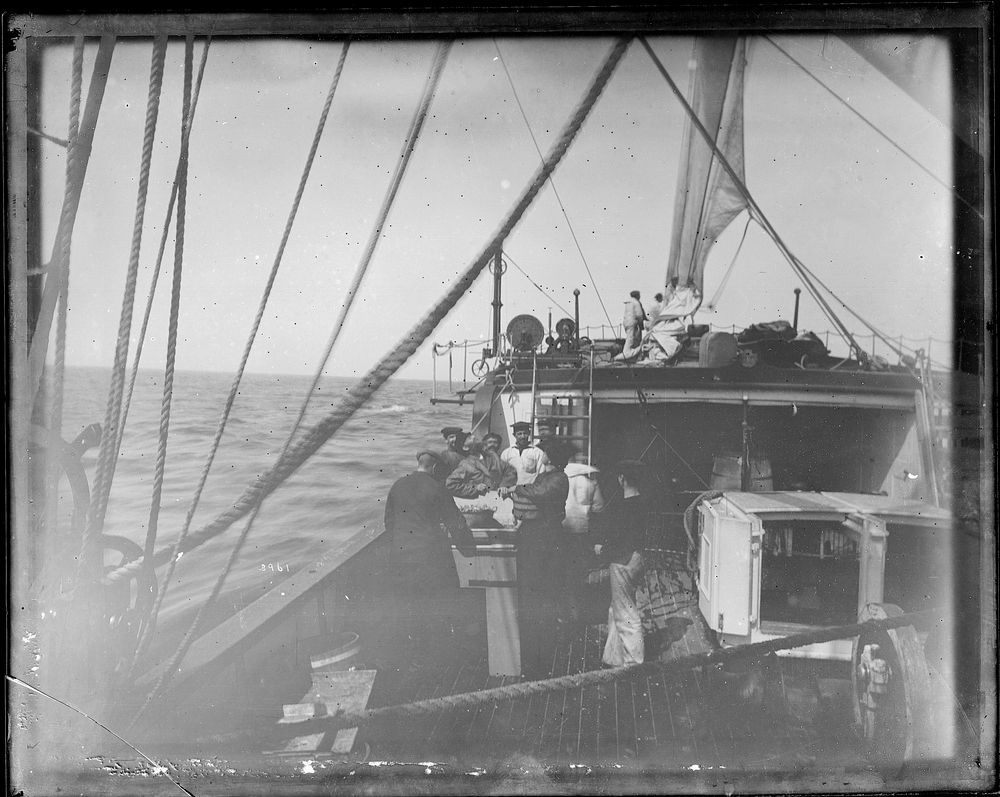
{"points": [[732, 574]]}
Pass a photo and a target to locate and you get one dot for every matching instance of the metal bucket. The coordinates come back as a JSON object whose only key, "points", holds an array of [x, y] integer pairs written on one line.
{"points": [[726, 473]]}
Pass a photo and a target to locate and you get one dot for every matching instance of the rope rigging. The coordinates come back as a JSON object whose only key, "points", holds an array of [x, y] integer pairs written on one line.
{"points": [[78, 160], [175, 301], [255, 326], [540, 289], [108, 452], [72, 136], [555, 191], [729, 271], [430, 88], [366, 387], [164, 236], [755, 210], [897, 147], [639, 394]]}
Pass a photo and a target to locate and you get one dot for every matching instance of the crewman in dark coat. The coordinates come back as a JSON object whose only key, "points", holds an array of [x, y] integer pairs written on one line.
{"points": [[623, 541], [449, 458], [539, 508], [420, 517]]}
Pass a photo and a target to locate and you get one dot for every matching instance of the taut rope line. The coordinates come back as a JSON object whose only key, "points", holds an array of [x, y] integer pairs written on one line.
{"points": [[175, 304], [410, 142], [555, 191], [754, 209], [870, 124], [67, 218], [72, 135], [390, 363], [159, 261], [234, 388], [108, 450]]}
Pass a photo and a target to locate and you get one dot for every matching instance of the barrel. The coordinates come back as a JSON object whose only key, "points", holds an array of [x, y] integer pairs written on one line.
{"points": [[726, 473]]}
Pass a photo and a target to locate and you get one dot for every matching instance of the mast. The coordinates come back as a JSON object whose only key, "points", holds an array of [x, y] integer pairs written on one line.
{"points": [[498, 268]]}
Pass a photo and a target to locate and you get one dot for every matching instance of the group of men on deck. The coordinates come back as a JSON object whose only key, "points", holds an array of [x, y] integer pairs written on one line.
{"points": [[554, 501], [656, 335]]}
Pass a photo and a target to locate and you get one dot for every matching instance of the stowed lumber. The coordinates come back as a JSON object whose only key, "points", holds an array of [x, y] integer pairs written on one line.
{"points": [[332, 691]]}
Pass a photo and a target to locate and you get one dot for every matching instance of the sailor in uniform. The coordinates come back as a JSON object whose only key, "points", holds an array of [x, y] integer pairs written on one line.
{"points": [[525, 458]]}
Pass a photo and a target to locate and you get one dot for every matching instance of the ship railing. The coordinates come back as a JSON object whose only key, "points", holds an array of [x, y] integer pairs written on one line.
{"points": [[465, 364]]}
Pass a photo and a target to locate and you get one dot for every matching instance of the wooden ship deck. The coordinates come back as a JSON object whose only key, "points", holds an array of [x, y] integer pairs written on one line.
{"points": [[686, 721]]}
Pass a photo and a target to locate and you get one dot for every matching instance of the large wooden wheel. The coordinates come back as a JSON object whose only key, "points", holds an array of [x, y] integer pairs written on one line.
{"points": [[127, 603], [891, 689]]}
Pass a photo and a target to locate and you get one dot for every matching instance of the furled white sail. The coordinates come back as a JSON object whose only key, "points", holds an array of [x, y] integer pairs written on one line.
{"points": [[707, 199]]}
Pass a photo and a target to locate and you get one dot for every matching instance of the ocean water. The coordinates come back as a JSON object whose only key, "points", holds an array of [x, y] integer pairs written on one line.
{"points": [[340, 491]]}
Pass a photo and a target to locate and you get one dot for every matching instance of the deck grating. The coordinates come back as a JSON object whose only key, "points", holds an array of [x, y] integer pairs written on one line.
{"points": [[676, 719]]}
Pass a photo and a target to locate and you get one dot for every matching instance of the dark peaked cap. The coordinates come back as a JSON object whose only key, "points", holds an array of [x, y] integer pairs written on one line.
{"points": [[448, 430]]}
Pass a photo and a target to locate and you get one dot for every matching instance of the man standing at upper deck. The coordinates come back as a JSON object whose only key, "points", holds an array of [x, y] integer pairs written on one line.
{"points": [[525, 458]]}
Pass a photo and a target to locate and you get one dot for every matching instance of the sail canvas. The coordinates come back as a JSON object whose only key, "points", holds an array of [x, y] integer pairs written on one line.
{"points": [[707, 197]]}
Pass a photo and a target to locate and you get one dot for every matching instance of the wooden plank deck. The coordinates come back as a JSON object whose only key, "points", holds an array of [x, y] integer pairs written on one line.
{"points": [[677, 721]]}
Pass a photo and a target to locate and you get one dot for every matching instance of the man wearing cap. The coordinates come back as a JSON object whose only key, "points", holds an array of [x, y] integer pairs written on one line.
{"points": [[422, 581], [622, 542], [449, 458], [478, 473], [525, 458], [539, 508]]}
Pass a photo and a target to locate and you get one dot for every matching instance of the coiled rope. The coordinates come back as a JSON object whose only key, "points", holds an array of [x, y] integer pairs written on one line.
{"points": [[166, 401], [108, 451], [391, 362], [234, 389], [752, 652], [430, 88], [159, 261]]}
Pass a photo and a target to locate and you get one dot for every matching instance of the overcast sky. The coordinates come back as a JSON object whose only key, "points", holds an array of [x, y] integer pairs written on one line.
{"points": [[871, 224]]}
